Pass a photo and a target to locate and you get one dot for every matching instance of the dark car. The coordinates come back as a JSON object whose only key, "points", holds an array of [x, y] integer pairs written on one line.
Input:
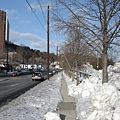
{"points": [[37, 76]]}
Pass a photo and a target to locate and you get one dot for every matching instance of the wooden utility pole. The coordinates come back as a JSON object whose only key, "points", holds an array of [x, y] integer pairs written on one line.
{"points": [[48, 31], [48, 56], [57, 55], [7, 57], [48, 7]]}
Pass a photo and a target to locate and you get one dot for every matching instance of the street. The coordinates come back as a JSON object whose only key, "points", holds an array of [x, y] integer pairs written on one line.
{"points": [[12, 87]]}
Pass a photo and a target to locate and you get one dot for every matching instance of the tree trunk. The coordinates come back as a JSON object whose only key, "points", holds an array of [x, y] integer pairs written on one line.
{"points": [[77, 72], [105, 72], [105, 44], [73, 74]]}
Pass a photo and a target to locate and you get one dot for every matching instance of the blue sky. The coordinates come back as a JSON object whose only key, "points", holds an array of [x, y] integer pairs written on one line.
{"points": [[25, 29]]}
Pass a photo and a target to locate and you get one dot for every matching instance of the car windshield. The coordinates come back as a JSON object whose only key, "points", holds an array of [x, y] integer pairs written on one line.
{"points": [[44, 72], [37, 73]]}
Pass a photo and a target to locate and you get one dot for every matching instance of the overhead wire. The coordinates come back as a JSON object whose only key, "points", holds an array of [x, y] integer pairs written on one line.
{"points": [[44, 17], [46, 20], [33, 10], [41, 10], [54, 32]]}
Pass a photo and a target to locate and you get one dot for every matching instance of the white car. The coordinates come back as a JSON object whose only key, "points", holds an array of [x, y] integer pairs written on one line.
{"points": [[37, 76]]}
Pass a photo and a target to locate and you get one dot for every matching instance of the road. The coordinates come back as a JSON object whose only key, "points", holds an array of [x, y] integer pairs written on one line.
{"points": [[12, 87]]}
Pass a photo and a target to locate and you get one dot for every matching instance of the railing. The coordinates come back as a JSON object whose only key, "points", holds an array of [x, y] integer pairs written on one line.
{"points": [[81, 75], [84, 74]]}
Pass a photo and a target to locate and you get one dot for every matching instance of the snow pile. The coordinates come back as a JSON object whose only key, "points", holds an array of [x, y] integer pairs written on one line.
{"points": [[87, 68], [97, 101], [94, 100], [115, 68], [52, 116], [114, 75], [35, 103]]}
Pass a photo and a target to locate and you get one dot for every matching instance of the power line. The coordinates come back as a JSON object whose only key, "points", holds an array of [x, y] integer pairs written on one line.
{"points": [[48, 22], [51, 5], [33, 10], [53, 30], [29, 5], [42, 10]]}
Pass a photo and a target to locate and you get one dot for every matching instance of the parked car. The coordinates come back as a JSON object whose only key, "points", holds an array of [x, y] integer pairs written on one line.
{"points": [[37, 76], [13, 74], [52, 72], [44, 74]]}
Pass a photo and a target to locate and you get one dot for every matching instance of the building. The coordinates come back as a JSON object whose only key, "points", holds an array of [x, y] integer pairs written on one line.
{"points": [[4, 31]]}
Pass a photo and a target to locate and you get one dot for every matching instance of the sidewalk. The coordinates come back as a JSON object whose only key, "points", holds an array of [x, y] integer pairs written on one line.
{"points": [[67, 109]]}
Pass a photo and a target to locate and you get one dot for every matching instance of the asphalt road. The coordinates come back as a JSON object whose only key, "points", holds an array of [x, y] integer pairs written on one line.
{"points": [[12, 87]]}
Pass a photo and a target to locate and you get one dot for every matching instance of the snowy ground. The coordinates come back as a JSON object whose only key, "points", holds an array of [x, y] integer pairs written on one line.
{"points": [[35, 103], [94, 100]]}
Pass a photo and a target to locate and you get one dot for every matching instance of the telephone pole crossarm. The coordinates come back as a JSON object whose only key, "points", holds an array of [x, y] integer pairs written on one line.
{"points": [[51, 5]]}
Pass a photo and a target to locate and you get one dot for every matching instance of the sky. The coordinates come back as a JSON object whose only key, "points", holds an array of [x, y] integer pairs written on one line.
{"points": [[27, 29], [94, 100]]}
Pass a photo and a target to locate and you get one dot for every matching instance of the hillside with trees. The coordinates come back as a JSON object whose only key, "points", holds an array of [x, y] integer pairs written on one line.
{"points": [[25, 55]]}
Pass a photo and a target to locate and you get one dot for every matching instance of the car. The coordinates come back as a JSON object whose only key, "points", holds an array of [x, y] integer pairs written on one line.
{"points": [[37, 76], [13, 73], [44, 74], [52, 72]]}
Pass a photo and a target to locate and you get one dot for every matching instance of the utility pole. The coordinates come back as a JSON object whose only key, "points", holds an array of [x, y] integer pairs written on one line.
{"points": [[57, 54], [7, 57], [57, 57], [57, 60], [48, 31]]}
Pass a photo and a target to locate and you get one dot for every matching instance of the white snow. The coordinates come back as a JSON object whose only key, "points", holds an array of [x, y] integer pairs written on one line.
{"points": [[94, 100], [35, 103], [97, 101], [52, 116]]}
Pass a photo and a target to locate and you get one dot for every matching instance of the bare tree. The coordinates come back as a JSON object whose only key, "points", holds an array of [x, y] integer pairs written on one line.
{"points": [[75, 50], [99, 23]]}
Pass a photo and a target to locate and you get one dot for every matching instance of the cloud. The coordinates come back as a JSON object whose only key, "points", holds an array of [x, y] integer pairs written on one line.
{"points": [[25, 22], [11, 12], [28, 39]]}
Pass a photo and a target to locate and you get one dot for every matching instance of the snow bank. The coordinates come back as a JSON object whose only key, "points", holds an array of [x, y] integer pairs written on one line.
{"points": [[97, 101], [88, 69], [94, 100], [52, 116]]}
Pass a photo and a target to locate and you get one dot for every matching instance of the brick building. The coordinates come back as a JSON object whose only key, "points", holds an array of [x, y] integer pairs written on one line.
{"points": [[4, 31]]}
